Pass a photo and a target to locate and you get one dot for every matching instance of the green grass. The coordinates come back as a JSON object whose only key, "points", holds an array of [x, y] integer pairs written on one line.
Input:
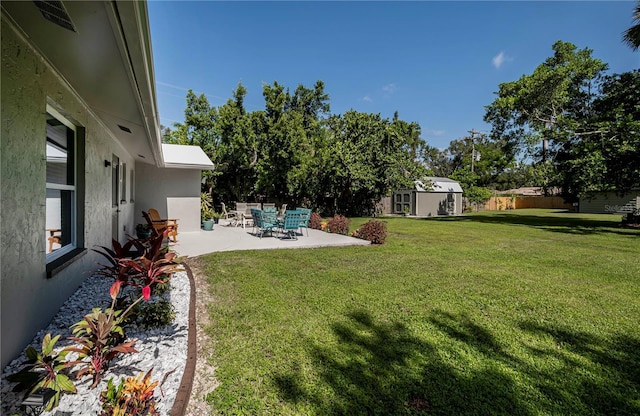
{"points": [[521, 313]]}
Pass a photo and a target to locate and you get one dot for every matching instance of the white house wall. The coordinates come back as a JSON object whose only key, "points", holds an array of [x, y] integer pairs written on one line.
{"points": [[29, 299], [174, 192]]}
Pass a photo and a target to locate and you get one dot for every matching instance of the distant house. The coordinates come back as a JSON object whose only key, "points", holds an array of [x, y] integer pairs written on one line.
{"points": [[81, 151], [431, 197], [610, 202], [530, 191]]}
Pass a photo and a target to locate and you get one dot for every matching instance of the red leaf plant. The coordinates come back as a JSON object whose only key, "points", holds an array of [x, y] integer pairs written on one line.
{"points": [[100, 334]]}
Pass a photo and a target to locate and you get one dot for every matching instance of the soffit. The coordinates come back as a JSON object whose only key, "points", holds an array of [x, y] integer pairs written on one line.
{"points": [[107, 61]]}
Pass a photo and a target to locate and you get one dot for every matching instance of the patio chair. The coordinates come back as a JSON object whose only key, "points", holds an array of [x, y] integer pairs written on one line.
{"points": [[247, 214], [283, 209], [157, 223], [270, 214], [260, 223], [268, 205], [305, 214], [291, 224], [156, 228], [239, 213], [231, 216]]}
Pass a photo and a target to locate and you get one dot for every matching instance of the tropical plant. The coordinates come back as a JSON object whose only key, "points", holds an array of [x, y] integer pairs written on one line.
{"points": [[206, 206], [631, 36], [142, 227], [100, 334], [150, 265], [133, 396], [44, 369], [100, 337]]}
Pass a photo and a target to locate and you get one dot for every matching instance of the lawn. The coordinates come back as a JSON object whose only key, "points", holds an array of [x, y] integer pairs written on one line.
{"points": [[523, 313]]}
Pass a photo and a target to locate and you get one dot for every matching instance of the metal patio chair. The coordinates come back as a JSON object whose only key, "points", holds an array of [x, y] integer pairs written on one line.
{"points": [[291, 224], [261, 224]]}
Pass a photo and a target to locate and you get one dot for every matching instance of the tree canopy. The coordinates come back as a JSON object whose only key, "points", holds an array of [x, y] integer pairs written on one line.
{"points": [[295, 151], [589, 118]]}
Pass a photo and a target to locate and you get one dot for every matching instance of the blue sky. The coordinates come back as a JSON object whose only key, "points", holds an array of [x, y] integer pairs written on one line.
{"points": [[436, 63]]}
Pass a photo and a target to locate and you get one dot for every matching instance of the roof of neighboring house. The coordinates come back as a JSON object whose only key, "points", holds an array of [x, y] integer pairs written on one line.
{"points": [[438, 184], [185, 157], [529, 191]]}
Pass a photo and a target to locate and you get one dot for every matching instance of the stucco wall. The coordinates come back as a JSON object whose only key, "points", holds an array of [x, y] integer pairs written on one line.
{"points": [[175, 193], [29, 300]]}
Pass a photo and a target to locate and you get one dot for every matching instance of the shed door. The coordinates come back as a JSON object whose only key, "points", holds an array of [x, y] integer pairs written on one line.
{"points": [[402, 203]]}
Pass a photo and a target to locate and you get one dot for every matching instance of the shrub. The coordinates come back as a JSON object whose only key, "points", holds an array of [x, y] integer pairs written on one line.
{"points": [[373, 230], [339, 224], [631, 219], [156, 314], [133, 396], [315, 221]]}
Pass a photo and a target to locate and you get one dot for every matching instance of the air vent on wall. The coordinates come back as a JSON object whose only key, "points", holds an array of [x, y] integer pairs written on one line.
{"points": [[123, 128], [54, 11]]}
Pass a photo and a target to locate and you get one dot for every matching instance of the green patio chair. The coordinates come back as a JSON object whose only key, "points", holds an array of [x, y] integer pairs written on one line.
{"points": [[291, 224], [305, 214], [260, 224], [270, 214]]}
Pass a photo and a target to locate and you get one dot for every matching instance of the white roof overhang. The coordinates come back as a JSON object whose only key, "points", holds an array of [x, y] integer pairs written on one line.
{"points": [[185, 157]]}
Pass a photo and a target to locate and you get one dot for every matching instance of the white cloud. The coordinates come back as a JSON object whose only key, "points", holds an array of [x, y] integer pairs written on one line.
{"points": [[390, 88], [436, 133], [500, 59], [367, 99]]}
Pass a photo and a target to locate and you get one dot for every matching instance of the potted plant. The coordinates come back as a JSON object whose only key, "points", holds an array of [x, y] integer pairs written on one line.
{"points": [[207, 219], [216, 216], [143, 231]]}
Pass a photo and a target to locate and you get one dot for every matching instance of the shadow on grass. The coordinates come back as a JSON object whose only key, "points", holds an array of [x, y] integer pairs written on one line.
{"points": [[561, 224], [603, 374], [382, 368]]}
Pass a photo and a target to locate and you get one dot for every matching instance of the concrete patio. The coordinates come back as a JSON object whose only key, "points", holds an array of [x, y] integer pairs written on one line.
{"points": [[229, 238]]}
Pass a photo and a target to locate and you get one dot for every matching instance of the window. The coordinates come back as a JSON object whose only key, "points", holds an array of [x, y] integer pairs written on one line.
{"points": [[64, 191], [124, 184], [61, 186], [131, 188]]}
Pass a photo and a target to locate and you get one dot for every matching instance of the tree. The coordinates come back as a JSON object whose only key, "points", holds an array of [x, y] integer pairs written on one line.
{"points": [[604, 153], [369, 157], [238, 133], [198, 129], [551, 103], [631, 36]]}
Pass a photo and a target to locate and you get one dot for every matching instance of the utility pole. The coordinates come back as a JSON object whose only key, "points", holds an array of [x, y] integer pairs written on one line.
{"points": [[473, 146]]}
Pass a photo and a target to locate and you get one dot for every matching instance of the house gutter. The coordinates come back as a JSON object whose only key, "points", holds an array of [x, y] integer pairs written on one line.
{"points": [[131, 18]]}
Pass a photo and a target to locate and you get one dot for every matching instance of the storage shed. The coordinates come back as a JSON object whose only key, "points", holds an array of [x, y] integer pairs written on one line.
{"points": [[431, 197]]}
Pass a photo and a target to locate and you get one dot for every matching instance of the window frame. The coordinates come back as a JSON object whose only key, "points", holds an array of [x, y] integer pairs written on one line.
{"points": [[58, 259]]}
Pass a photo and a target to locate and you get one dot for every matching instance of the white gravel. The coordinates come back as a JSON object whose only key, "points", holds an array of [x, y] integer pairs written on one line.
{"points": [[164, 350]]}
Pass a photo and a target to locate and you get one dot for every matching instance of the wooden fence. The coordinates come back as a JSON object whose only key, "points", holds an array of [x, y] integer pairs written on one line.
{"points": [[500, 203]]}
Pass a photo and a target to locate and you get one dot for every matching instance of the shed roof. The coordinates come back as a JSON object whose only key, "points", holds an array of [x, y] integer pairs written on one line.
{"points": [[185, 157], [438, 184]]}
